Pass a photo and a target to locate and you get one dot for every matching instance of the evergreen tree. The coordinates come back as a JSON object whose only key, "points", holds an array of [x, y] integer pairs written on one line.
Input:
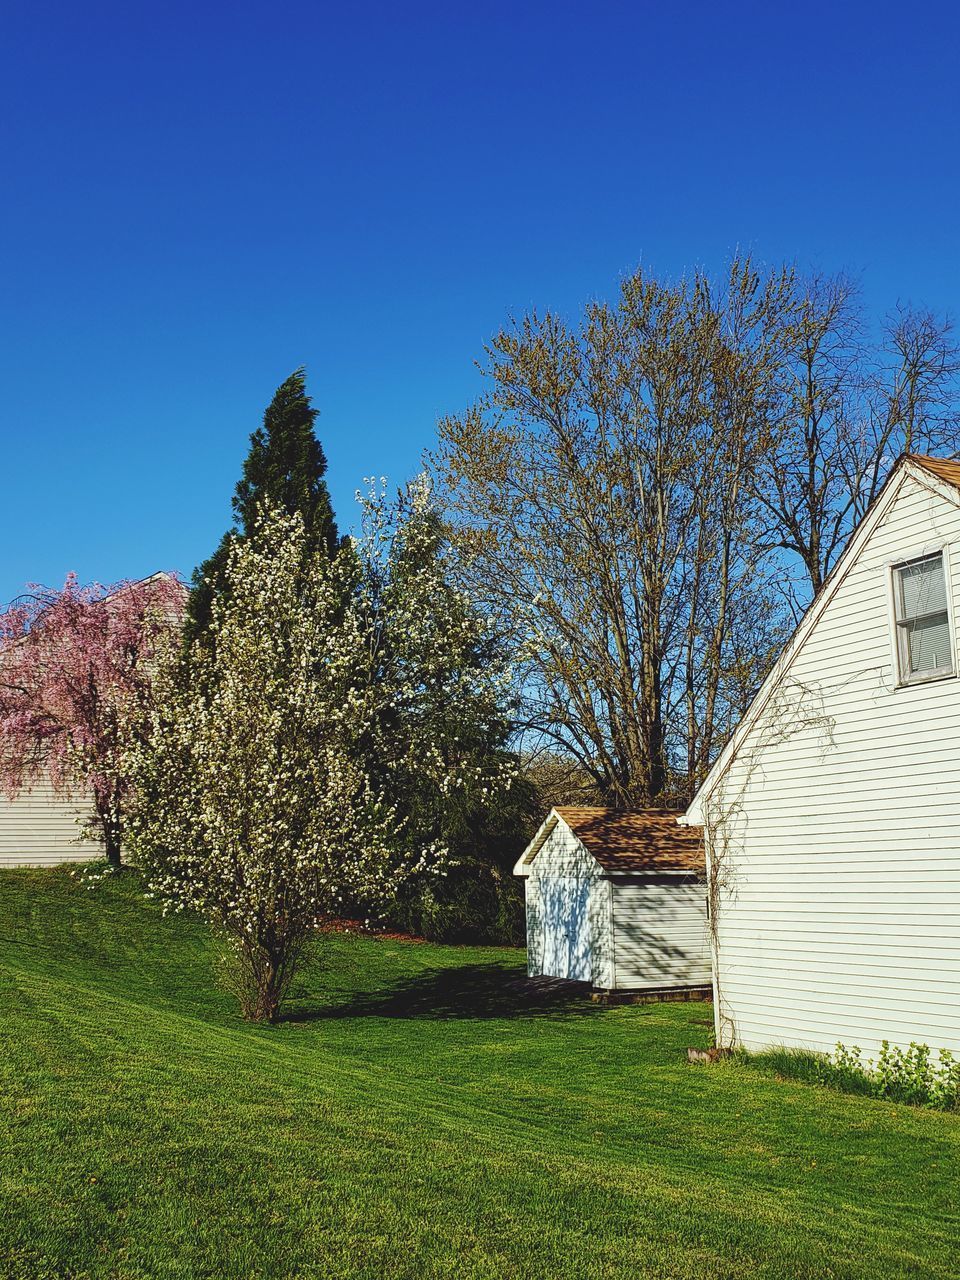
{"points": [[454, 711], [284, 468]]}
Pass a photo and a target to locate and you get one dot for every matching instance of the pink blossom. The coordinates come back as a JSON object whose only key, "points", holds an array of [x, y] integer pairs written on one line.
{"points": [[76, 676]]}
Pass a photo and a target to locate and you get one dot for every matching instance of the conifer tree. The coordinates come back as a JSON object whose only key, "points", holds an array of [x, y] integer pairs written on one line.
{"points": [[285, 468], [454, 711]]}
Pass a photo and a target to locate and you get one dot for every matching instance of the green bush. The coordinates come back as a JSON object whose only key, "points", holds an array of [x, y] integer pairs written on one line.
{"points": [[471, 902], [910, 1075]]}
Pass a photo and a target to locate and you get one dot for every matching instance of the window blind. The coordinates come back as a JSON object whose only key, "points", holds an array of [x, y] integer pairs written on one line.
{"points": [[929, 641], [923, 588], [923, 623]]}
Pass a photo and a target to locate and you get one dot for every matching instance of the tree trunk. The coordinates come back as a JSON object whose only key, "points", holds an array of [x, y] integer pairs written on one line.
{"points": [[265, 1005], [111, 844]]}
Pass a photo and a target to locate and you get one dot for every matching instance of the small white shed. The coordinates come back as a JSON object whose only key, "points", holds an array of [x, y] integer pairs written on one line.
{"points": [[617, 899]]}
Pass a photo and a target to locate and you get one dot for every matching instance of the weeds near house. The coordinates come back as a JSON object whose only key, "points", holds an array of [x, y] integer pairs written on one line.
{"points": [[912, 1075]]}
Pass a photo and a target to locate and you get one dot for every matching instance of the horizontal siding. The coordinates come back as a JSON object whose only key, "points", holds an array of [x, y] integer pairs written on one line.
{"points": [[879, 912], [837, 827], [927, 1022], [39, 828], [562, 854], [871, 969], [817, 935], [660, 936], [896, 867]]}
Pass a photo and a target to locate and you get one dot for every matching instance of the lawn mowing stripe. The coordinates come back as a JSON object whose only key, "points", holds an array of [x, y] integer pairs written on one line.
{"points": [[488, 1124]]}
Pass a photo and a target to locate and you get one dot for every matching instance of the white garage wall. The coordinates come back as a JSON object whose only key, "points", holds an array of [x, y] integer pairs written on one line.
{"points": [[39, 829]]}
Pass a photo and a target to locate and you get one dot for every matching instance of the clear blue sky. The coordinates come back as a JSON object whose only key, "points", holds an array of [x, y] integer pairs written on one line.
{"points": [[197, 198]]}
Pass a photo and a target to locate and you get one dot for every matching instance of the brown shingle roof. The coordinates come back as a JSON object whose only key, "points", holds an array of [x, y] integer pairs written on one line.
{"points": [[624, 841], [944, 468]]}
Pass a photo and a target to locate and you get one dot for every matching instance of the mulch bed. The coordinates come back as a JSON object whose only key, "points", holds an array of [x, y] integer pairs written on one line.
{"points": [[342, 924]]}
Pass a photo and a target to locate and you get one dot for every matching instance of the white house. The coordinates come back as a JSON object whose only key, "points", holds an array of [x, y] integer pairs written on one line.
{"points": [[832, 819], [617, 899], [40, 828]]}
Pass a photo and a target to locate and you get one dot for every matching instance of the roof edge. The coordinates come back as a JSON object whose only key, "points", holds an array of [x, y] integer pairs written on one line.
{"points": [[522, 865], [905, 465]]}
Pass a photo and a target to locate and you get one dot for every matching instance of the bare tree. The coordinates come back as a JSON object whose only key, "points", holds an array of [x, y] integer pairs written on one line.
{"points": [[852, 406], [637, 497], [727, 575], [603, 494]]}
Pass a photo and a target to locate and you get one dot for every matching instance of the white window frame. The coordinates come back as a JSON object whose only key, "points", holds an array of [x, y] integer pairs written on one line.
{"points": [[904, 677]]}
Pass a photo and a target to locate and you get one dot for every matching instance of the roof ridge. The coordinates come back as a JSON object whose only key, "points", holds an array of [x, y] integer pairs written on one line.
{"points": [[623, 813]]}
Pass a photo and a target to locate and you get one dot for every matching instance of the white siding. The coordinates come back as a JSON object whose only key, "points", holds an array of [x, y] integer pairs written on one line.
{"points": [[660, 934], [39, 829], [568, 912], [834, 834]]}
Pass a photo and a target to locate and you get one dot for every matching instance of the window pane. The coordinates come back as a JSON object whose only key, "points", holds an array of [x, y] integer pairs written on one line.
{"points": [[922, 587], [929, 644]]}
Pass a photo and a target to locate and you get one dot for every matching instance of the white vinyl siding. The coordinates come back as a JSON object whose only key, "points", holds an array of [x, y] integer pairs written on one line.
{"points": [[39, 828], [924, 643], [834, 832], [660, 934], [568, 912]]}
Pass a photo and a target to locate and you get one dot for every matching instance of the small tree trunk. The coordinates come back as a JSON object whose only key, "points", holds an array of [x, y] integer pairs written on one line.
{"points": [[266, 1007], [268, 970], [111, 844], [113, 854]]}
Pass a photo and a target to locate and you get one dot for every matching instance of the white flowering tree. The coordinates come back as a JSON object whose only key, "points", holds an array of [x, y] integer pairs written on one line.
{"points": [[259, 805]]}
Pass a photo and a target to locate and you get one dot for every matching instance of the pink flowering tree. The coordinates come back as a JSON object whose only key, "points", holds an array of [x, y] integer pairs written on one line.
{"points": [[77, 668]]}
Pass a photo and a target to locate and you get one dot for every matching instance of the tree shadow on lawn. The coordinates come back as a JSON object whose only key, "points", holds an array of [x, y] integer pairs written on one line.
{"points": [[470, 991]]}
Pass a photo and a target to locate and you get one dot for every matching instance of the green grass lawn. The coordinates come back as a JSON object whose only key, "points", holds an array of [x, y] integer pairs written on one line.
{"points": [[415, 1117]]}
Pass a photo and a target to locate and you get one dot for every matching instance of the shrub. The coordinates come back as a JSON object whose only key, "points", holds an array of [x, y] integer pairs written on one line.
{"points": [[905, 1075], [471, 902], [910, 1075]]}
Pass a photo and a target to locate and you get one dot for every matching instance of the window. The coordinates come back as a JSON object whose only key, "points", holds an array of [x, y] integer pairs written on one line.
{"points": [[924, 643]]}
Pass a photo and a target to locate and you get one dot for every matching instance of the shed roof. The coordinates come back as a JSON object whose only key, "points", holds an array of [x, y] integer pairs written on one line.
{"points": [[626, 841]]}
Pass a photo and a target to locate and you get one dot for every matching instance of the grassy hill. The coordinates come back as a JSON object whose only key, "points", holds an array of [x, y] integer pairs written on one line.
{"points": [[416, 1117]]}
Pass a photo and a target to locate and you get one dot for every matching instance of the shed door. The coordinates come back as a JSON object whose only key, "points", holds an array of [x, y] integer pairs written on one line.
{"points": [[564, 910]]}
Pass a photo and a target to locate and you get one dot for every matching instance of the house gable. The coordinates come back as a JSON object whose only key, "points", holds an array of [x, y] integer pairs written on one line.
{"points": [[933, 477], [832, 820]]}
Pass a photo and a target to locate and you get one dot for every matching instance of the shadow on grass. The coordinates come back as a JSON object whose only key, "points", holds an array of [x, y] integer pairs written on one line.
{"points": [[470, 991]]}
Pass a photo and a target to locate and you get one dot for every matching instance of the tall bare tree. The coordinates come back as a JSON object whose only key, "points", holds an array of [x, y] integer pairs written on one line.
{"points": [[727, 574], [635, 495], [602, 491], [854, 403]]}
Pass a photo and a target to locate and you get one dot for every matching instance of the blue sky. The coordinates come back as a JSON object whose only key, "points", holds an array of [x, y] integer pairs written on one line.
{"points": [[198, 198]]}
